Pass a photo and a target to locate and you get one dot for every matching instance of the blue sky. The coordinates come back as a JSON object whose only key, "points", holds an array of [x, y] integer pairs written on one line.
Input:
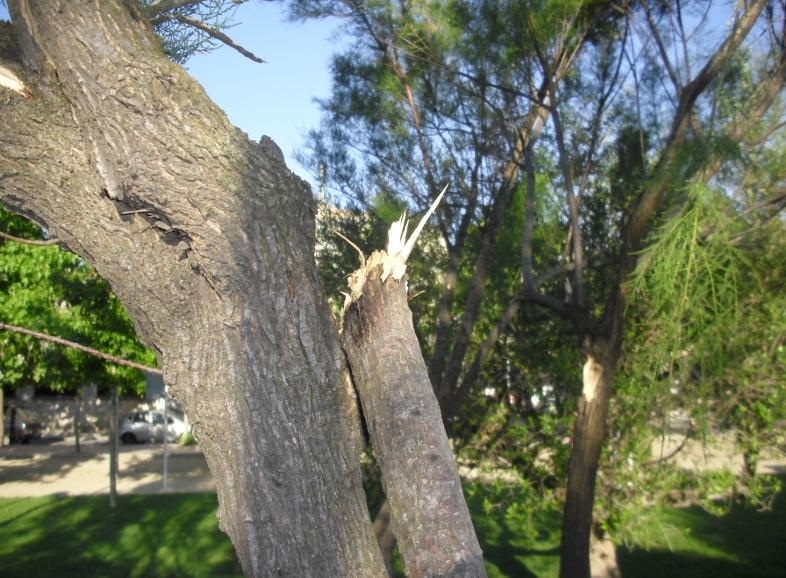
{"points": [[275, 98]]}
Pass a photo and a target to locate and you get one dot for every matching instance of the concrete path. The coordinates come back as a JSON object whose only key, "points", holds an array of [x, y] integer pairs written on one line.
{"points": [[52, 467]]}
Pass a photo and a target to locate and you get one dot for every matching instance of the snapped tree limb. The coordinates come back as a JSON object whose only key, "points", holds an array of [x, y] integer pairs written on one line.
{"points": [[429, 515]]}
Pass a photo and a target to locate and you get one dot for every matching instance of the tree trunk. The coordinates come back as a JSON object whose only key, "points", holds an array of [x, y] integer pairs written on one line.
{"points": [[589, 433], [429, 515], [208, 241]]}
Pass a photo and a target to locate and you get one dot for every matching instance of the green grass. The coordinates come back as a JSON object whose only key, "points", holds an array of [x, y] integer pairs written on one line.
{"points": [[672, 542], [177, 536], [691, 543], [145, 536]]}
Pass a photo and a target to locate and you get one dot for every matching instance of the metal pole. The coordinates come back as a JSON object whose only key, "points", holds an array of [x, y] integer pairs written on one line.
{"points": [[113, 451], [166, 438]]}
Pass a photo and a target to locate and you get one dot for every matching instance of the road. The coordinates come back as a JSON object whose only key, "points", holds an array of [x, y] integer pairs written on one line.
{"points": [[52, 467]]}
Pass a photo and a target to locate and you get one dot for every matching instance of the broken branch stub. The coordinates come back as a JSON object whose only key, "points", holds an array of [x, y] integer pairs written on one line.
{"points": [[429, 515], [394, 260]]}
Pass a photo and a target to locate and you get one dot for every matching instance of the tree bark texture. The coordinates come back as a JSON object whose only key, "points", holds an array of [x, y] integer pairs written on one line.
{"points": [[589, 433], [429, 515], [207, 239]]}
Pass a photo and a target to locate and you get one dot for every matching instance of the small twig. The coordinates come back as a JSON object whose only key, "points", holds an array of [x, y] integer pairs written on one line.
{"points": [[660, 459], [135, 212], [210, 31], [351, 244], [8, 237], [157, 8], [412, 296], [83, 348]]}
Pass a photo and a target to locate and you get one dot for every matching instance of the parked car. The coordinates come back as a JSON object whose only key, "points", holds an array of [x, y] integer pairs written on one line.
{"points": [[22, 425], [147, 425]]}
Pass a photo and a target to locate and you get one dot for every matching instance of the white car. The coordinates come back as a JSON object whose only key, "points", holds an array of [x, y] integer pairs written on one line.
{"points": [[147, 425]]}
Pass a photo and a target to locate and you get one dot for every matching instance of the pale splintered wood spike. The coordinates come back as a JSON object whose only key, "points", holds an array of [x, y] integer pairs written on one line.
{"points": [[400, 246], [9, 79], [393, 260]]}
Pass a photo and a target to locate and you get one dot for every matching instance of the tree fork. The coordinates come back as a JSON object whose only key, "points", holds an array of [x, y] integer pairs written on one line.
{"points": [[114, 127]]}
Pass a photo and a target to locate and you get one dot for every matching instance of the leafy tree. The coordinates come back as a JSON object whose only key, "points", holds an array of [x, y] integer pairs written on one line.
{"points": [[489, 96], [47, 289]]}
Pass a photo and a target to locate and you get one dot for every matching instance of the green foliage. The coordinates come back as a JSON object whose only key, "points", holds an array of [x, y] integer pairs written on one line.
{"points": [[53, 291], [187, 439], [707, 328], [688, 283], [691, 542], [180, 39], [517, 529]]}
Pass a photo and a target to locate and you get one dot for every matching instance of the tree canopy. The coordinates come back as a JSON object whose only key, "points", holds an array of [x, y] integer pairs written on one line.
{"points": [[582, 143]]}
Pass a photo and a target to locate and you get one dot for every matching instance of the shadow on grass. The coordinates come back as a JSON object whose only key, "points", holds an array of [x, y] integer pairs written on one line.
{"points": [[695, 544], [657, 564], [507, 550], [150, 536]]}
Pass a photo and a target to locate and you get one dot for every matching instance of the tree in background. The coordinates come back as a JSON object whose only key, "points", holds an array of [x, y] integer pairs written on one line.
{"points": [[49, 290], [432, 95], [604, 114]]}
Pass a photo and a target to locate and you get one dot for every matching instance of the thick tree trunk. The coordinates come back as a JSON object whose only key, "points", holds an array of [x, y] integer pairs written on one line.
{"points": [[207, 239], [429, 515]]}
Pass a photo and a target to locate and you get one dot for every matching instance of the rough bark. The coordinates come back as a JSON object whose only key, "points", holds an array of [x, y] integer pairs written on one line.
{"points": [[429, 515], [207, 239]]}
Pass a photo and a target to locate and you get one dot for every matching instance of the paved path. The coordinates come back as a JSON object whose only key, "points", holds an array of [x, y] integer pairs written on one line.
{"points": [[47, 467]]}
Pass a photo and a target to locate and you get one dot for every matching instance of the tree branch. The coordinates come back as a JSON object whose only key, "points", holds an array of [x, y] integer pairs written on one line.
{"points": [[77, 346], [653, 27], [37, 242], [650, 199], [155, 9], [210, 31]]}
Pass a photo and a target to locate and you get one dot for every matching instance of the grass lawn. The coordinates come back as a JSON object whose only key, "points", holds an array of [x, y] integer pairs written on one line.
{"points": [[177, 535], [146, 536]]}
